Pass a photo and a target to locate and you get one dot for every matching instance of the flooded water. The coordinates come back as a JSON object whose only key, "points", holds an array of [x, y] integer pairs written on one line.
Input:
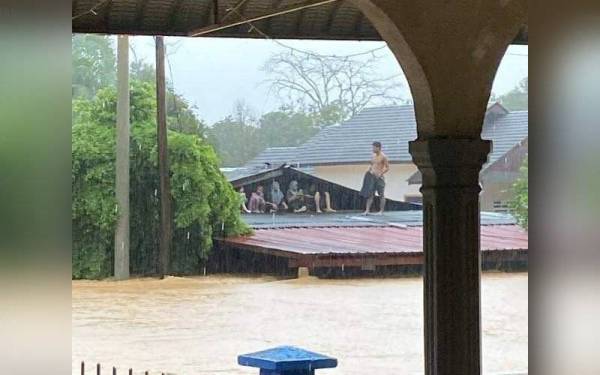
{"points": [[190, 326]]}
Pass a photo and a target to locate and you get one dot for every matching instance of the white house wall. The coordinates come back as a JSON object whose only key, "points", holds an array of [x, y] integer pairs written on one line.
{"points": [[351, 175]]}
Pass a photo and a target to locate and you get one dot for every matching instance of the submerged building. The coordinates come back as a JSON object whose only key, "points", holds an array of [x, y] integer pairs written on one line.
{"points": [[341, 153]]}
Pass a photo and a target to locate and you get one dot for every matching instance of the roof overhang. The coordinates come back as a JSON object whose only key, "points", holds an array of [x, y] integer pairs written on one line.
{"points": [[280, 19]]}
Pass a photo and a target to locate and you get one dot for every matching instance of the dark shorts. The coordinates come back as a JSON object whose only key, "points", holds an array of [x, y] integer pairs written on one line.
{"points": [[372, 184], [296, 204]]}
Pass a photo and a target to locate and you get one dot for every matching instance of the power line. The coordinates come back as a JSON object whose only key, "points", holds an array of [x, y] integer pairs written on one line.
{"points": [[306, 52]]}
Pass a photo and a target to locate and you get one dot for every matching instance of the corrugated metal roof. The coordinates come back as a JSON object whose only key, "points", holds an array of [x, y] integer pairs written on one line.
{"points": [[354, 219], [370, 240]]}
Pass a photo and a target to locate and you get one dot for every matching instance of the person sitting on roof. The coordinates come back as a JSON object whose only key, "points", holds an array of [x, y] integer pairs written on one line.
{"points": [[317, 193], [258, 204], [277, 197], [243, 200], [295, 198]]}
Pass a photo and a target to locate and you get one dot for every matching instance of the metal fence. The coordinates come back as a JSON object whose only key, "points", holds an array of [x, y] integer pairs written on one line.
{"points": [[98, 370]]}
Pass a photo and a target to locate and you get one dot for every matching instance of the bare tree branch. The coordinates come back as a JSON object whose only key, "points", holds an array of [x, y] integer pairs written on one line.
{"points": [[323, 83]]}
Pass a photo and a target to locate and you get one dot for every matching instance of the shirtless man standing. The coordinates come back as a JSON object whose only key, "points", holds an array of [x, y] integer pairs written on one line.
{"points": [[374, 179]]}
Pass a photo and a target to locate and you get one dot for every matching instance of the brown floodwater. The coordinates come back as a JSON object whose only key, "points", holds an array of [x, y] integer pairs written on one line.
{"points": [[190, 326]]}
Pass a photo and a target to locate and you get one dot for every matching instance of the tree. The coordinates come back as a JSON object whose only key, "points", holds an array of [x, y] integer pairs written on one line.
{"points": [[94, 64], [331, 88], [518, 98], [204, 203], [94, 67], [180, 114], [285, 128], [239, 137], [519, 205], [234, 141]]}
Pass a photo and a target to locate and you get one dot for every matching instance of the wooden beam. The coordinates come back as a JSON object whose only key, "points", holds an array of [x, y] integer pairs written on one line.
{"points": [[206, 15], [224, 242], [332, 15], [299, 21], [358, 22], [107, 9], [163, 160], [274, 5], [289, 9], [238, 9], [175, 9], [215, 9], [139, 13], [257, 178], [74, 6], [356, 260]]}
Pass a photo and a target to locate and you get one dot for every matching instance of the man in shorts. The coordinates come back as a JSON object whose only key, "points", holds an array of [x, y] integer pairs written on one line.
{"points": [[374, 180]]}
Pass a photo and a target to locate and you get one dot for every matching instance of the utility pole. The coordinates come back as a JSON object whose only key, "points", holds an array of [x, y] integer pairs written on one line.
{"points": [[121, 265], [163, 161]]}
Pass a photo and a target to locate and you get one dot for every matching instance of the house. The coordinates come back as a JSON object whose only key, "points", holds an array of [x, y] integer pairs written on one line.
{"points": [[349, 245], [343, 198], [342, 153], [508, 131]]}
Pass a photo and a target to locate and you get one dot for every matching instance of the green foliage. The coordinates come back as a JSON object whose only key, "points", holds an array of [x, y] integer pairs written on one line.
{"points": [[237, 139], [519, 205], [285, 128], [180, 114], [94, 69], [93, 203], [235, 142], [331, 114], [94, 64], [204, 203]]}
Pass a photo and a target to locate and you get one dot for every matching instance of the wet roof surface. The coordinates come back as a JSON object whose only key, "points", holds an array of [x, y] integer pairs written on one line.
{"points": [[370, 240], [397, 232], [355, 219]]}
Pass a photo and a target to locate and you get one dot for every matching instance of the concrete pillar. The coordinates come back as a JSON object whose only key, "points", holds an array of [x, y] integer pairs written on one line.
{"points": [[449, 51], [121, 261], [450, 169]]}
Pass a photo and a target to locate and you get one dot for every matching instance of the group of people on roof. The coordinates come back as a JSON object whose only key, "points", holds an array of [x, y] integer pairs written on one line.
{"points": [[294, 200], [317, 198]]}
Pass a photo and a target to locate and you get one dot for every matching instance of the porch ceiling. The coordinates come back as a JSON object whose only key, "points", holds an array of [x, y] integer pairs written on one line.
{"points": [[332, 20]]}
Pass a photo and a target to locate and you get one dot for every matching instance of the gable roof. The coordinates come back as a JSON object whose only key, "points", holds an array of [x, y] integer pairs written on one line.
{"points": [[395, 127], [509, 134], [342, 197], [350, 142], [505, 132]]}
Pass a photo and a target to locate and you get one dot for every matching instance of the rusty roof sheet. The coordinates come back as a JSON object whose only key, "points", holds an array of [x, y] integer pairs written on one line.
{"points": [[369, 240]]}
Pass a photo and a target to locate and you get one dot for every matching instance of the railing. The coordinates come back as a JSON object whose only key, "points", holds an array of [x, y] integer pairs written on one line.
{"points": [[282, 360], [114, 370]]}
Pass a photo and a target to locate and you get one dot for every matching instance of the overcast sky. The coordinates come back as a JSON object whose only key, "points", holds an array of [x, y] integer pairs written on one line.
{"points": [[212, 73]]}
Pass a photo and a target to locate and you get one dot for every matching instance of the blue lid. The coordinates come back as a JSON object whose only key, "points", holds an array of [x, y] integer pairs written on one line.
{"points": [[286, 358]]}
